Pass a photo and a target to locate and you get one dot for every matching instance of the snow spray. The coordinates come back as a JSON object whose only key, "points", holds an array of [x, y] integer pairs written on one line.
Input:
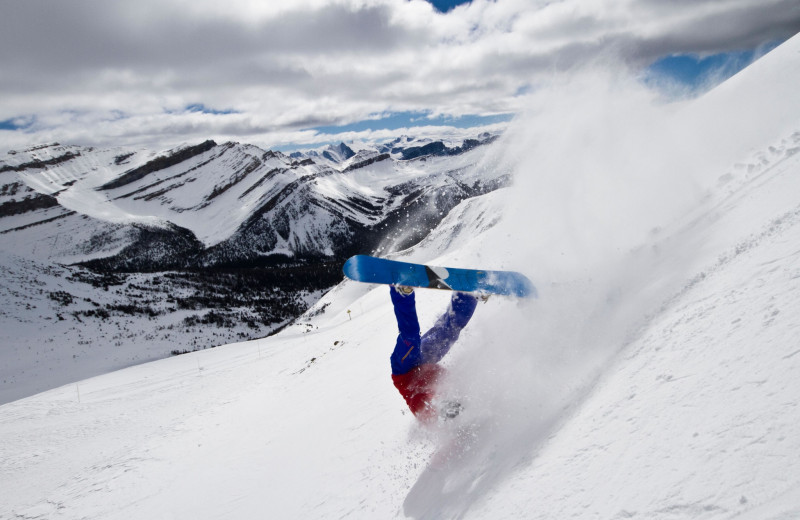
{"points": [[603, 170]]}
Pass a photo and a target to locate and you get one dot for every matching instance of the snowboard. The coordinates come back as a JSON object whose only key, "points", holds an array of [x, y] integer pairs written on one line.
{"points": [[369, 269]]}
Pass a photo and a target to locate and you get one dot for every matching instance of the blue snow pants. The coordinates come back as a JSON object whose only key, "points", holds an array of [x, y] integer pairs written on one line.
{"points": [[411, 349]]}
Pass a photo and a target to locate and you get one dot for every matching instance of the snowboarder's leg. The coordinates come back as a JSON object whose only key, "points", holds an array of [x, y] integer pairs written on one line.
{"points": [[437, 341], [406, 353]]}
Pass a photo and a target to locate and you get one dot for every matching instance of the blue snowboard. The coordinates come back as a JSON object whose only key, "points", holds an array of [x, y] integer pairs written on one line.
{"points": [[369, 269]]}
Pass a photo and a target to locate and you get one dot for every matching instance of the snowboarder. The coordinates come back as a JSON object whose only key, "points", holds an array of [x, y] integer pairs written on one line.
{"points": [[415, 369]]}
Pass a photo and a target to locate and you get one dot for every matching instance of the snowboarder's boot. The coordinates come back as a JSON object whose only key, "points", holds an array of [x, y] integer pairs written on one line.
{"points": [[404, 289], [450, 410]]}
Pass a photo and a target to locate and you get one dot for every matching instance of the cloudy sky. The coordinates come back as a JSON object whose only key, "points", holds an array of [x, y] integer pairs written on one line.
{"points": [[161, 72]]}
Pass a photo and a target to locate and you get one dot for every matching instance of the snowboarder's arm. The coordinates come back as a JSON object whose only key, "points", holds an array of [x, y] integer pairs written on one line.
{"points": [[406, 353]]}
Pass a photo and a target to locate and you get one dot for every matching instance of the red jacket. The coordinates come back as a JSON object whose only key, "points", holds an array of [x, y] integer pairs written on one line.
{"points": [[418, 388]]}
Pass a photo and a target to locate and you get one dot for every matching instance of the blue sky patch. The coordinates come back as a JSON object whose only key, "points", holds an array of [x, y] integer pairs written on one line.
{"points": [[199, 107], [699, 74], [398, 120], [446, 5], [17, 123]]}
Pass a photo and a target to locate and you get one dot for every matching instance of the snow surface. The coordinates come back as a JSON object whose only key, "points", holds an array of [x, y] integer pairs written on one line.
{"points": [[655, 377]]}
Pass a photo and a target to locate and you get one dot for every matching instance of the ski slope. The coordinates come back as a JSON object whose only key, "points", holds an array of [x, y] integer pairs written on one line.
{"points": [[655, 377]]}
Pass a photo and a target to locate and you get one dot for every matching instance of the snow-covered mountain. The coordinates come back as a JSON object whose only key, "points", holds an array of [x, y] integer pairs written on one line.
{"points": [[331, 154], [655, 377], [250, 238], [230, 204]]}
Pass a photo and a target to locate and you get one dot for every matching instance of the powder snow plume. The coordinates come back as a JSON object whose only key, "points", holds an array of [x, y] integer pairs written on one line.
{"points": [[604, 174]]}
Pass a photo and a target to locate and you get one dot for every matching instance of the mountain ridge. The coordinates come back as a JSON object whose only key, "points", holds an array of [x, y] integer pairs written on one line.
{"points": [[217, 192]]}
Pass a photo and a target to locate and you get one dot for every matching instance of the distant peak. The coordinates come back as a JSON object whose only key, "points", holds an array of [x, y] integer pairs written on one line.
{"points": [[338, 153]]}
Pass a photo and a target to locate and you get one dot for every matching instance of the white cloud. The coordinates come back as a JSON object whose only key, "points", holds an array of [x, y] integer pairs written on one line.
{"points": [[285, 66]]}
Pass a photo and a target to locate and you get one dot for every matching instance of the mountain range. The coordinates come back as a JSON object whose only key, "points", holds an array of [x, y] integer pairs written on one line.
{"points": [[200, 245], [231, 204]]}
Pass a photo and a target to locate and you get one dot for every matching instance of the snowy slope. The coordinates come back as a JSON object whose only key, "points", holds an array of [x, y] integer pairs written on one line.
{"points": [[655, 377], [696, 418], [63, 324]]}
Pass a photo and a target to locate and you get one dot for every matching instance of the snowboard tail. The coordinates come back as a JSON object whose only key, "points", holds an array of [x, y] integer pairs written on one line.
{"points": [[369, 269]]}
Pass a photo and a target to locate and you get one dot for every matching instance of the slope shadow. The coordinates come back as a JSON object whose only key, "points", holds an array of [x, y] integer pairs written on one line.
{"points": [[470, 461]]}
